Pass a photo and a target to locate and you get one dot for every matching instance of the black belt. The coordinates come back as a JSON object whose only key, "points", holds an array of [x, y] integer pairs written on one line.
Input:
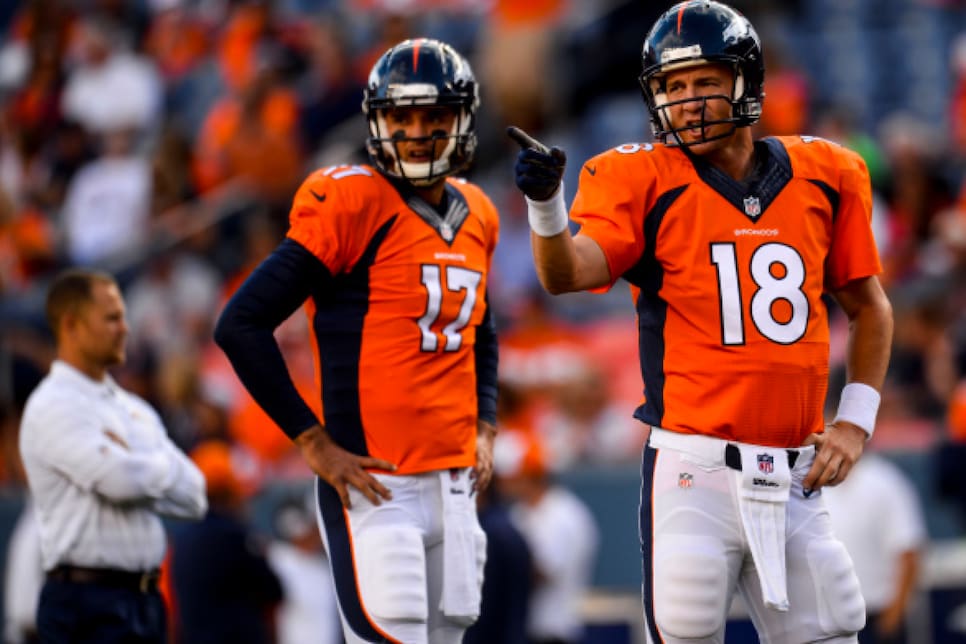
{"points": [[733, 456], [146, 581]]}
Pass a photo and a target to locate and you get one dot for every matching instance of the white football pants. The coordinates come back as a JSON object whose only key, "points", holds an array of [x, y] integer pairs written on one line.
{"points": [[696, 550], [395, 577]]}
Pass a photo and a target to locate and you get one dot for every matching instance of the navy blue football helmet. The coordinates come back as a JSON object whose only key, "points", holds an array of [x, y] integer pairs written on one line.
{"points": [[421, 72], [696, 33]]}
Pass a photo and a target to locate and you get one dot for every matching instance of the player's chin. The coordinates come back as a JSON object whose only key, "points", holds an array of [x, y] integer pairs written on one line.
{"points": [[701, 146]]}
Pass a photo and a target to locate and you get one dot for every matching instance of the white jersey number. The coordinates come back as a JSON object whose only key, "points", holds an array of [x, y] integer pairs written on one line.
{"points": [[779, 273], [457, 279]]}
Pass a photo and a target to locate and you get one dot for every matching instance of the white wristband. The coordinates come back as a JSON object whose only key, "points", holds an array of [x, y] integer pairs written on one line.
{"points": [[858, 405], [548, 218]]}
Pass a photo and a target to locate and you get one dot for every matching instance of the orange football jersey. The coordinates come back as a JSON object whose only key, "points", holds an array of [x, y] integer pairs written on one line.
{"points": [[395, 336], [734, 338]]}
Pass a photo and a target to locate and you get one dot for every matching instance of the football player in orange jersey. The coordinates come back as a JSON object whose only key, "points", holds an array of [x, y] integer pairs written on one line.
{"points": [[391, 261], [732, 243]]}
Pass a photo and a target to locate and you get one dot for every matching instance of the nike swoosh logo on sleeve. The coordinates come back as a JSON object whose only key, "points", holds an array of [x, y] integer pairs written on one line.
{"points": [[318, 197], [592, 169]]}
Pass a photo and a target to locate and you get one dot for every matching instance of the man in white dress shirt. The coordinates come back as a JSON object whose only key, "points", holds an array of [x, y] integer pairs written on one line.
{"points": [[101, 469]]}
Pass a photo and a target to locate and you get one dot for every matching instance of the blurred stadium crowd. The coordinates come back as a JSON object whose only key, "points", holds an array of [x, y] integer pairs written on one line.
{"points": [[162, 140]]}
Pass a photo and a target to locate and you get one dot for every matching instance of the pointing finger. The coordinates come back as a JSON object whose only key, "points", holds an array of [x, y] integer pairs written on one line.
{"points": [[526, 141]]}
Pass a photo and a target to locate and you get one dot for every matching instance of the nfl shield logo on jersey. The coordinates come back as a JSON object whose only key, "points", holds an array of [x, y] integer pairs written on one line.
{"points": [[752, 206], [685, 480], [766, 463]]}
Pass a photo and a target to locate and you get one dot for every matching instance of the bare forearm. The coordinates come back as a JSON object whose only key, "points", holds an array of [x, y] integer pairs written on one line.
{"points": [[555, 259], [870, 330], [870, 342], [565, 264]]}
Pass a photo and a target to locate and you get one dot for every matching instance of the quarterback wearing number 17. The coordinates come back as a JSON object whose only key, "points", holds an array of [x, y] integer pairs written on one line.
{"points": [[729, 244], [390, 261]]}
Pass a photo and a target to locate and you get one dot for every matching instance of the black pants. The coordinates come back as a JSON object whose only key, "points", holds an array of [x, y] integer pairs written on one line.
{"points": [[87, 613]]}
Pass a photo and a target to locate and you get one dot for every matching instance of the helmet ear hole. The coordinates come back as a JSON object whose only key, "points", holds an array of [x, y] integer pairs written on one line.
{"points": [[739, 85]]}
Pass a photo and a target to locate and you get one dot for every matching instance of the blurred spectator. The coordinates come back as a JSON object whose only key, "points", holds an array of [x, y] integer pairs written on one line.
{"points": [[172, 183], [25, 357], [252, 135], [309, 612], [545, 511], [916, 192], [513, 283], [23, 572], [946, 246], [534, 343], [507, 575], [392, 22], [329, 89], [109, 87], [27, 247], [839, 123], [877, 514], [788, 95], [170, 303], [68, 149], [951, 454], [224, 589], [957, 413], [524, 95], [189, 417], [177, 39], [108, 204], [23, 579], [923, 353], [586, 425], [957, 103], [32, 74]]}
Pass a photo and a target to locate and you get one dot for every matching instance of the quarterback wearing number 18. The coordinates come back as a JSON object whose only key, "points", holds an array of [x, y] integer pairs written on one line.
{"points": [[729, 244]]}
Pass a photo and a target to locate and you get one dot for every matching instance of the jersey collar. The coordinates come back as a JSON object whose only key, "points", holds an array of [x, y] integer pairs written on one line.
{"points": [[773, 173]]}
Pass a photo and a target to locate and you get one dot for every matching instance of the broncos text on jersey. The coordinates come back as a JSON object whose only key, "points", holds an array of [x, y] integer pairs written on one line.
{"points": [[728, 278], [395, 339]]}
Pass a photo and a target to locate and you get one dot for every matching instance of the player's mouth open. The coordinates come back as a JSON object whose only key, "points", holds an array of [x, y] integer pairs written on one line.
{"points": [[695, 129]]}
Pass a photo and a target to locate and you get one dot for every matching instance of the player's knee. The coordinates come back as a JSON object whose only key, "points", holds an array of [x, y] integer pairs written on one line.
{"points": [[392, 573], [841, 609], [690, 587]]}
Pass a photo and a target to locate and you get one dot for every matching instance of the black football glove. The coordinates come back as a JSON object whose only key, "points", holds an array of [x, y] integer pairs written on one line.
{"points": [[539, 169]]}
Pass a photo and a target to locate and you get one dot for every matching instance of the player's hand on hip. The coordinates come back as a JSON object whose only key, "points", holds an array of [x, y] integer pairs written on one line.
{"points": [[539, 169], [340, 468], [836, 450], [483, 470]]}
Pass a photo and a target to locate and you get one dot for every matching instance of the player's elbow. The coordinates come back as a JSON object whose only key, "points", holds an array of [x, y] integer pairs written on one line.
{"points": [[556, 283], [227, 329], [555, 288], [570, 280]]}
